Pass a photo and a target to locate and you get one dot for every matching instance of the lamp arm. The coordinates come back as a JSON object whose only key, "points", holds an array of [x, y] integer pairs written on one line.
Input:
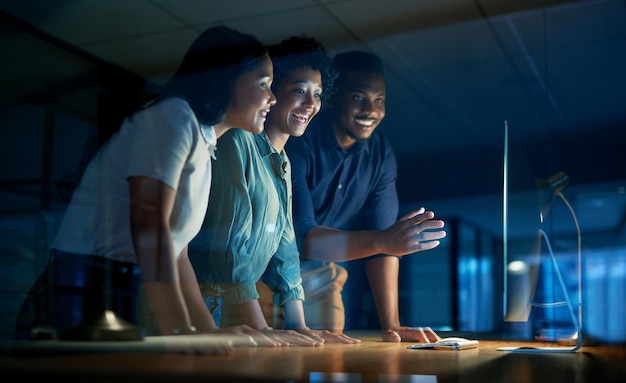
{"points": [[578, 328], [579, 261]]}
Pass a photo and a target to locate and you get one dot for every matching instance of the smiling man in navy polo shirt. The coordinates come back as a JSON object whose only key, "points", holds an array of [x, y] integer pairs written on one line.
{"points": [[346, 205]]}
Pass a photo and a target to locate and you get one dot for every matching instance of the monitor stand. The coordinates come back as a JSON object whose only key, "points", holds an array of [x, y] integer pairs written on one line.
{"points": [[578, 336]]}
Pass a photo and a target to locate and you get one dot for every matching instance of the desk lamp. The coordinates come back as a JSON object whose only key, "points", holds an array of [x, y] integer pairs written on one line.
{"points": [[100, 322], [548, 190]]}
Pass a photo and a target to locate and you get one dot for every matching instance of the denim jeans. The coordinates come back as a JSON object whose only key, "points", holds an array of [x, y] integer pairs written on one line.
{"points": [[214, 304]]}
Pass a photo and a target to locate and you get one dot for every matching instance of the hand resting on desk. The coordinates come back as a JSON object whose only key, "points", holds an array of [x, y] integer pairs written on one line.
{"points": [[327, 336], [412, 334], [247, 336]]}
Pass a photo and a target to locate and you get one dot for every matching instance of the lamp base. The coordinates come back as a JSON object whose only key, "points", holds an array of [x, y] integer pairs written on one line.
{"points": [[108, 327]]}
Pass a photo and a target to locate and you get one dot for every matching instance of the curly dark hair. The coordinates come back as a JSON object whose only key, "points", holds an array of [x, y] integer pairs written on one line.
{"points": [[303, 51]]}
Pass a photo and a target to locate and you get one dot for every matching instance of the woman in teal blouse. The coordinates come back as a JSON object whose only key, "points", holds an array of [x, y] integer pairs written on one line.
{"points": [[248, 231]]}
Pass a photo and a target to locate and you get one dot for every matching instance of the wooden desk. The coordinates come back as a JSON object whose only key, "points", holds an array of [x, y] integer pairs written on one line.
{"points": [[370, 361]]}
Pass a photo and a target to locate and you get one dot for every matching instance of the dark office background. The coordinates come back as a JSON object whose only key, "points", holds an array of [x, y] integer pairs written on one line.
{"points": [[456, 70]]}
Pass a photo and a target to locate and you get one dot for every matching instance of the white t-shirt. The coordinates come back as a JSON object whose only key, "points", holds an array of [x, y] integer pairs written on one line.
{"points": [[164, 142]]}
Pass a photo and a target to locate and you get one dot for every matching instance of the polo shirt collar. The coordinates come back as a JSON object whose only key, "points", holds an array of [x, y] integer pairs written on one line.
{"points": [[329, 141]]}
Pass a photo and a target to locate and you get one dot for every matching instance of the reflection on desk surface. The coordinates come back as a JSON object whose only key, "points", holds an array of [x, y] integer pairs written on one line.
{"points": [[370, 361]]}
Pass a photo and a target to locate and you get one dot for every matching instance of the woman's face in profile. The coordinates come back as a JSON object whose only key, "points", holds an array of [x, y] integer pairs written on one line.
{"points": [[251, 98]]}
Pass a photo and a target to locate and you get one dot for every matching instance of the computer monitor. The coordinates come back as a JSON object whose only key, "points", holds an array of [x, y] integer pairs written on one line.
{"points": [[523, 211], [521, 221]]}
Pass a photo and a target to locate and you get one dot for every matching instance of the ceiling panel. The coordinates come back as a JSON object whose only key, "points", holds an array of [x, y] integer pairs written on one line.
{"points": [[456, 69], [89, 22]]}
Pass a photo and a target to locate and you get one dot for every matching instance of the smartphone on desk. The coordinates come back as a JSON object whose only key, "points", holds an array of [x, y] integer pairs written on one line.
{"points": [[452, 343]]}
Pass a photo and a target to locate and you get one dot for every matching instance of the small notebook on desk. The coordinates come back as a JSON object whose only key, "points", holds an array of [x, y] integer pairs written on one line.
{"points": [[453, 343]]}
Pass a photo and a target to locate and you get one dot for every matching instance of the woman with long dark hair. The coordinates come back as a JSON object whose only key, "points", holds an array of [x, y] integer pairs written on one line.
{"points": [[144, 195]]}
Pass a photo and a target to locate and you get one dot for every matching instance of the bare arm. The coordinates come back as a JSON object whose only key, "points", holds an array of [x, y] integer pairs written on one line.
{"points": [[200, 316], [151, 203], [416, 231]]}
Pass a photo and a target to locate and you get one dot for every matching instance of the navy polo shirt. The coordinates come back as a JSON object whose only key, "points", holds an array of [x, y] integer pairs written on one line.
{"points": [[346, 190]]}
